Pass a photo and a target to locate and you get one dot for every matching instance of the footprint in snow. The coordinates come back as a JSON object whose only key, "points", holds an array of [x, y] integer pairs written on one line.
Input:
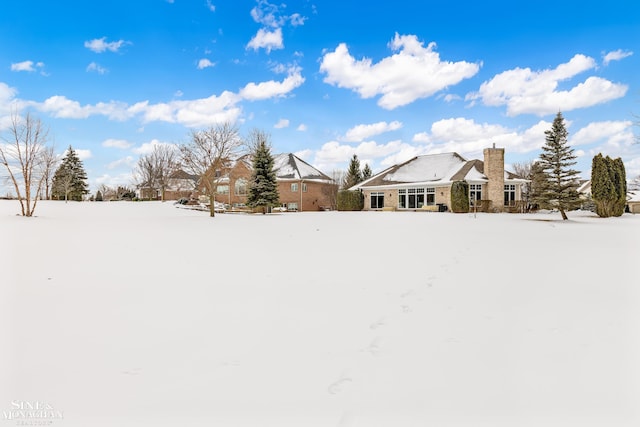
{"points": [[377, 324], [339, 385]]}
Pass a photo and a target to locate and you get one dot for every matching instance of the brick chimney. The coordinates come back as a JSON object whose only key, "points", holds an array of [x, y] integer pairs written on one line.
{"points": [[494, 170]]}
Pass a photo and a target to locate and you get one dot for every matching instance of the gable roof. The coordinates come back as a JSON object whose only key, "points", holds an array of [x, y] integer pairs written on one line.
{"points": [[427, 169], [290, 166], [432, 169]]}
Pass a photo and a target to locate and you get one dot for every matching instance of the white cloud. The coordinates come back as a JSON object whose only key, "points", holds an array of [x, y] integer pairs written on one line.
{"points": [[282, 123], [414, 72], [332, 153], [615, 55], [267, 40], [297, 20], [302, 127], [128, 162], [147, 147], [467, 137], [610, 132], [271, 89], [23, 66], [205, 63], [123, 179], [191, 113], [94, 66], [116, 143], [535, 92], [101, 45], [361, 132], [267, 14], [83, 154], [63, 107], [211, 6]]}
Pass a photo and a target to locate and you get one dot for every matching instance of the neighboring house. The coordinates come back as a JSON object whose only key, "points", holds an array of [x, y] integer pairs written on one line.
{"points": [[301, 187], [633, 201], [424, 183], [633, 197], [180, 184]]}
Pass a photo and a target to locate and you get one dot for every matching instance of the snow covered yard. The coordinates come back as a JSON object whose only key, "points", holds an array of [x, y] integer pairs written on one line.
{"points": [[135, 314]]}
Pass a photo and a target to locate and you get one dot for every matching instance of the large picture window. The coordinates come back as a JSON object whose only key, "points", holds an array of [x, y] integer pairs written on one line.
{"points": [[414, 198], [377, 200], [509, 195]]}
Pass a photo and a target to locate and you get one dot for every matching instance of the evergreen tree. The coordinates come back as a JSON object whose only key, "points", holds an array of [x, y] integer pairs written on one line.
{"points": [[559, 188], [537, 184], [98, 197], [366, 172], [460, 197], [354, 176], [70, 179], [263, 187], [608, 186]]}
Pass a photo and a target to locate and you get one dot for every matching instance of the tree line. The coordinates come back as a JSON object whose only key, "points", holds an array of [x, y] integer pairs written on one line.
{"points": [[35, 172]]}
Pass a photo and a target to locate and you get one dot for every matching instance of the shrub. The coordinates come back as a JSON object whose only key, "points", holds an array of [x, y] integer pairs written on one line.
{"points": [[350, 200], [460, 197]]}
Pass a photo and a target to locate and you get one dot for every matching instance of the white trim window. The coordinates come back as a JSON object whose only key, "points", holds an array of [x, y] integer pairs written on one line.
{"points": [[376, 200], [475, 193], [412, 198], [304, 187], [430, 197], [294, 187], [509, 195]]}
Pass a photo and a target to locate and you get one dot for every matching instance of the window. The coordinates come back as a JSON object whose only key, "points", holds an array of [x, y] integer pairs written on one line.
{"points": [[509, 195], [475, 193], [222, 189], [292, 206], [377, 200], [431, 196], [241, 187], [294, 187], [304, 187], [412, 198]]}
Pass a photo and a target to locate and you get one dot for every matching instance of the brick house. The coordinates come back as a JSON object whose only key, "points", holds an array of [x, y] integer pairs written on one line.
{"points": [[424, 183], [301, 187], [180, 184]]}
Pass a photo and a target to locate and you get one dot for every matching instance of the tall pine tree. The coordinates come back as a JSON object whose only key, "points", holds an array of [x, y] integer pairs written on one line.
{"points": [[354, 176], [263, 188], [366, 172], [559, 189], [70, 179], [608, 186]]}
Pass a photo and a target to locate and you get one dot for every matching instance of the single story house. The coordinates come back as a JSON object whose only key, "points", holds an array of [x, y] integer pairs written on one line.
{"points": [[424, 183], [633, 201], [301, 187]]}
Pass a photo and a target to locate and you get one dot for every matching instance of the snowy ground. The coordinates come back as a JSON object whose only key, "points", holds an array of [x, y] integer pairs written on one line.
{"points": [[142, 314]]}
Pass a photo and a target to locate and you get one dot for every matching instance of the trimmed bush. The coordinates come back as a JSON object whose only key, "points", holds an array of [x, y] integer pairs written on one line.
{"points": [[460, 197], [350, 200]]}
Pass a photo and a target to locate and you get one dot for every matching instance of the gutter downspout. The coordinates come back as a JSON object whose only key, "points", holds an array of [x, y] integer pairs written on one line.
{"points": [[301, 181]]}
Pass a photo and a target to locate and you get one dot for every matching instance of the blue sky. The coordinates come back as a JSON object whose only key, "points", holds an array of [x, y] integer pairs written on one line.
{"points": [[325, 79]]}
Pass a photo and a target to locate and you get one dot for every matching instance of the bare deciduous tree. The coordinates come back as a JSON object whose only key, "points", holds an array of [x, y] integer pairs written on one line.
{"points": [[209, 155], [155, 168], [50, 163], [525, 170], [23, 152]]}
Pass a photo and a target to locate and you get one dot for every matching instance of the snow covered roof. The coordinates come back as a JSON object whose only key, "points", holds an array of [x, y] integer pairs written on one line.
{"points": [[432, 169], [290, 166]]}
